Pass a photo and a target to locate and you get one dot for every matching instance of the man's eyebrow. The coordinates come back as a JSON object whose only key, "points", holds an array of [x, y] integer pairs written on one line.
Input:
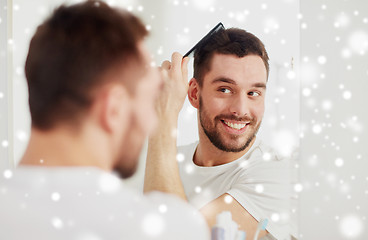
{"points": [[229, 80], [259, 85], [224, 80]]}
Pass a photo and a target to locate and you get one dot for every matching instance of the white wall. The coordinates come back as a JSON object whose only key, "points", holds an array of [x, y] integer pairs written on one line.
{"points": [[334, 153], [4, 97]]}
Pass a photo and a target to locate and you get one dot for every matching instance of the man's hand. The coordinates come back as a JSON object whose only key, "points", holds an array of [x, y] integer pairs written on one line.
{"points": [[171, 99]]}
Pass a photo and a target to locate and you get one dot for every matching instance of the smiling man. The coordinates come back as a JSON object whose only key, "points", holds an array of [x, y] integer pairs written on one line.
{"points": [[229, 168], [233, 109]]}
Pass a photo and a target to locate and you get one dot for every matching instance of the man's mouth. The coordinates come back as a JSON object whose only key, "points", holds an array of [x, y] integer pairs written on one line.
{"points": [[235, 125]]}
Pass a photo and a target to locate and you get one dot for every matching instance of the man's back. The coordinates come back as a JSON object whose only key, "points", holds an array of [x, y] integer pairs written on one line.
{"points": [[88, 203]]}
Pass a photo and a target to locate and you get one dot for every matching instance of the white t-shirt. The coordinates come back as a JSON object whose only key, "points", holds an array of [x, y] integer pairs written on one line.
{"points": [[259, 181], [86, 203]]}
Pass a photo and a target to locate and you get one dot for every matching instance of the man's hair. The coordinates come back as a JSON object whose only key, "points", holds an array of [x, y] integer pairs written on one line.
{"points": [[232, 41], [69, 54]]}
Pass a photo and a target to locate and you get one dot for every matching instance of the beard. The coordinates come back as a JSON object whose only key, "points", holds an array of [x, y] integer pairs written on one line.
{"points": [[126, 170], [128, 162], [128, 158], [217, 139]]}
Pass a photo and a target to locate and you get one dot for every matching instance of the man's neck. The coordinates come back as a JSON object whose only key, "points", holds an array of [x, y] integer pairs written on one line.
{"points": [[208, 155], [62, 147]]}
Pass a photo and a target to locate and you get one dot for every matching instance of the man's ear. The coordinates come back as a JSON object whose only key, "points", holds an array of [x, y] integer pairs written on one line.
{"points": [[193, 93], [114, 108]]}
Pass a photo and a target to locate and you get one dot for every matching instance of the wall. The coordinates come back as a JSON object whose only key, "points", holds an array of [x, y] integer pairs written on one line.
{"points": [[6, 150], [334, 153]]}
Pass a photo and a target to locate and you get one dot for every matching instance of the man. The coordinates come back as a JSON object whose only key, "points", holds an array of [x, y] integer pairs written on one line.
{"points": [[229, 169], [91, 94]]}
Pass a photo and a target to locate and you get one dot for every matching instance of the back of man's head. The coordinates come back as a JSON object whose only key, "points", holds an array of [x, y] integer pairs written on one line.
{"points": [[232, 41], [69, 55]]}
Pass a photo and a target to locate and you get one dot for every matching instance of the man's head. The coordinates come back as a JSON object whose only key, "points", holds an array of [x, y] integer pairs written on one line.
{"points": [[229, 85], [88, 61]]}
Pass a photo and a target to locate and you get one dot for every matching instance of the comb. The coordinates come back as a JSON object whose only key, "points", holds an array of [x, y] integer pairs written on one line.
{"points": [[213, 30]]}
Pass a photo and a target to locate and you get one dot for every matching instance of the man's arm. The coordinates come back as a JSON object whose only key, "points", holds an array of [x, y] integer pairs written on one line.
{"points": [[162, 171]]}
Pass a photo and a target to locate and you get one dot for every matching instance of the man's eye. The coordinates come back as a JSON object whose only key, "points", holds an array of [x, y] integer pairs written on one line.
{"points": [[253, 94], [225, 90]]}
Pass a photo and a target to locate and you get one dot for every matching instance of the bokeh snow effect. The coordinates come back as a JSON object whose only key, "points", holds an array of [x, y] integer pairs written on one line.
{"points": [[318, 87]]}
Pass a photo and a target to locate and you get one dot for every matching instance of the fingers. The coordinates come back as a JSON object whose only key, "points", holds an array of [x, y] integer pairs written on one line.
{"points": [[176, 59], [185, 62], [177, 65], [166, 65], [164, 75], [184, 68]]}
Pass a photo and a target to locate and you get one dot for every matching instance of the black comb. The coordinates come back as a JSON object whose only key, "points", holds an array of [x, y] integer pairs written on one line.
{"points": [[214, 30]]}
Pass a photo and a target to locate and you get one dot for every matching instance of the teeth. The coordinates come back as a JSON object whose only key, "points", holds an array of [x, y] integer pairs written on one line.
{"points": [[235, 125]]}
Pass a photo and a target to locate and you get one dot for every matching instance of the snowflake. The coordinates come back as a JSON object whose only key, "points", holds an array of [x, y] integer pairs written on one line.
{"points": [[298, 187], [275, 217], [259, 188], [327, 105], [189, 169], [8, 174], [228, 199], [317, 129], [5, 143], [162, 208], [55, 196], [180, 157], [347, 95], [267, 156], [57, 223], [322, 60], [339, 162], [22, 135]]}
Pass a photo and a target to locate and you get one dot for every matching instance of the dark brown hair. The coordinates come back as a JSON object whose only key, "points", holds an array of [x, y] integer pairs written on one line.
{"points": [[69, 54], [233, 41]]}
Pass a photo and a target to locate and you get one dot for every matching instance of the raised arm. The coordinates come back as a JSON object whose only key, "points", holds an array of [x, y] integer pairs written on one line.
{"points": [[162, 172]]}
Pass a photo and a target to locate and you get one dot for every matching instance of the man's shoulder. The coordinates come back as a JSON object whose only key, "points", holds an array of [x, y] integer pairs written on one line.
{"points": [[264, 160], [268, 152], [98, 192]]}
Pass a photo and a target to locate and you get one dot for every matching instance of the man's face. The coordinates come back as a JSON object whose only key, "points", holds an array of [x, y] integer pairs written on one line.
{"points": [[231, 101], [143, 118]]}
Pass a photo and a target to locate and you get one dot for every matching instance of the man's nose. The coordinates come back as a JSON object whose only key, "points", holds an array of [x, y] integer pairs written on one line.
{"points": [[240, 105]]}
